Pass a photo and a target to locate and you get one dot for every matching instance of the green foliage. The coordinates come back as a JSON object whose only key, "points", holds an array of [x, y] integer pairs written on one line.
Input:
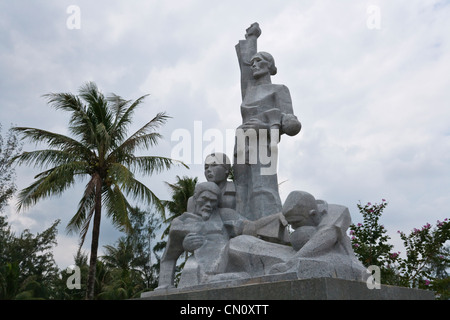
{"points": [[426, 260], [142, 239], [370, 237], [129, 262], [8, 150], [125, 279], [62, 292], [180, 191], [27, 267], [370, 240], [99, 150]]}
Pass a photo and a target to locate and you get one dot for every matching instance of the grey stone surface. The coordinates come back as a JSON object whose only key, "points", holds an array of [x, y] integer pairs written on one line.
{"points": [[293, 289], [206, 233], [217, 169], [320, 239], [237, 231], [267, 113], [255, 256], [190, 231]]}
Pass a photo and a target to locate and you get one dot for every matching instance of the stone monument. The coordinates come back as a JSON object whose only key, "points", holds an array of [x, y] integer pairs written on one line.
{"points": [[267, 113], [238, 232]]}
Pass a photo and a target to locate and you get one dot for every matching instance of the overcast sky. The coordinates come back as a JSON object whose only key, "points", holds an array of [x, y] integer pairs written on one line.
{"points": [[369, 81]]}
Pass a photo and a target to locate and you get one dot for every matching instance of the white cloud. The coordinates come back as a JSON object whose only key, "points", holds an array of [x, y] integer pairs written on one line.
{"points": [[373, 103]]}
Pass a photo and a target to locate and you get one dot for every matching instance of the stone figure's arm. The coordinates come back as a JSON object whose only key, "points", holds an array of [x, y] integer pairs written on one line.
{"points": [[193, 241], [289, 122], [245, 50], [181, 228], [174, 249], [253, 227], [320, 243], [233, 222], [234, 227], [266, 227]]}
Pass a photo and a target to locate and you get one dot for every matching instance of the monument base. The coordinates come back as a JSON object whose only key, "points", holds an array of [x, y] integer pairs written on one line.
{"points": [[289, 288]]}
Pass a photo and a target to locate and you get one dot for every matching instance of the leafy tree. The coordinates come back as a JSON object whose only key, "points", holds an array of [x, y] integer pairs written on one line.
{"points": [[27, 267], [145, 225], [370, 241], [426, 260], [441, 278], [100, 151], [129, 261], [125, 279], [8, 150], [62, 291]]}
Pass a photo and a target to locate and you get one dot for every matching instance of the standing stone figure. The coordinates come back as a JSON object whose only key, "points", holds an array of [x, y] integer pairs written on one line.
{"points": [[267, 113]]}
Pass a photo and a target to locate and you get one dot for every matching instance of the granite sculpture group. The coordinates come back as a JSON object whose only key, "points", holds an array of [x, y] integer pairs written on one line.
{"points": [[240, 229]]}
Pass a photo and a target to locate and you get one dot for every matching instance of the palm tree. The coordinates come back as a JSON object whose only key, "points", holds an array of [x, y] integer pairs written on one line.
{"points": [[120, 257], [99, 150], [181, 191], [126, 280]]}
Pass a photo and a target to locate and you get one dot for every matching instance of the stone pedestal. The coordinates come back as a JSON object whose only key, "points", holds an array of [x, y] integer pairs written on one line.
{"points": [[264, 288]]}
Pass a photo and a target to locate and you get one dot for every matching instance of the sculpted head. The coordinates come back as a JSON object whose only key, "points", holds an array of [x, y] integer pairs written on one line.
{"points": [[217, 167], [206, 196], [300, 209], [263, 64]]}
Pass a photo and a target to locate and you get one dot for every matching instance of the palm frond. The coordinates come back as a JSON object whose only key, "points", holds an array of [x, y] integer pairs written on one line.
{"points": [[143, 137], [117, 208], [118, 173], [181, 191], [99, 149], [53, 140], [97, 109], [123, 114], [45, 158], [139, 191], [64, 101], [80, 124], [118, 105], [51, 182], [85, 209], [149, 165]]}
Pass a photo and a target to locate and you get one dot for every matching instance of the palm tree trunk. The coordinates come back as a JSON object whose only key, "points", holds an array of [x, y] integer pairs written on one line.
{"points": [[94, 242]]}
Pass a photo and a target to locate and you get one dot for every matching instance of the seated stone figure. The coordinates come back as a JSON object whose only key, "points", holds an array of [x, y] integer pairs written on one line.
{"points": [[207, 237], [320, 239], [206, 232], [189, 229]]}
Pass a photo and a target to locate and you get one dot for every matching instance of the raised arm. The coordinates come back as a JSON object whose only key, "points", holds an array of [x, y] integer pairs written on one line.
{"points": [[245, 50]]}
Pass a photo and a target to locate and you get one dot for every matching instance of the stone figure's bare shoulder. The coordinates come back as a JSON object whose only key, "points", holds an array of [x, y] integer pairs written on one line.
{"points": [[281, 88], [187, 217]]}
